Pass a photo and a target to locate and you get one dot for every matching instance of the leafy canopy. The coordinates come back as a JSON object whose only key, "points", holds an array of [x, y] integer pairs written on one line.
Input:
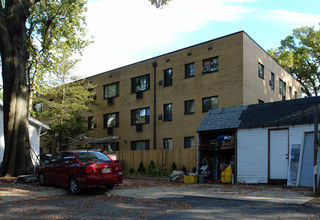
{"points": [[299, 54]]}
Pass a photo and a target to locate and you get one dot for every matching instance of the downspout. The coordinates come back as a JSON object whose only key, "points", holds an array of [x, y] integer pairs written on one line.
{"points": [[154, 64]]}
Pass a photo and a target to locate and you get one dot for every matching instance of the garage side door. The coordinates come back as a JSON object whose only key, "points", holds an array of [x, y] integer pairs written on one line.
{"points": [[278, 159]]}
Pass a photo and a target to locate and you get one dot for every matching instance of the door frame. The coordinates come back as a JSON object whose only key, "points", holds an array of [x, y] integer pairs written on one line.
{"points": [[269, 156]]}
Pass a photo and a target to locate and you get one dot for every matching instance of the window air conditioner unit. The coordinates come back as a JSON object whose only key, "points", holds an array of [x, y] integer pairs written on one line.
{"points": [[110, 131], [110, 101], [139, 95], [139, 128], [205, 69]]}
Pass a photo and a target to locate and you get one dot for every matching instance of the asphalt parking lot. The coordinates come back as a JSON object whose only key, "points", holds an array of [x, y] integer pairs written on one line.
{"points": [[155, 199]]}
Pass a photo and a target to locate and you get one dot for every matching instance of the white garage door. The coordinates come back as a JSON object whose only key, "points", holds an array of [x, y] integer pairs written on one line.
{"points": [[279, 154]]}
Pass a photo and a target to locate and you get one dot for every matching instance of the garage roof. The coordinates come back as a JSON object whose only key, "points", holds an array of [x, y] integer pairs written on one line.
{"points": [[290, 112]]}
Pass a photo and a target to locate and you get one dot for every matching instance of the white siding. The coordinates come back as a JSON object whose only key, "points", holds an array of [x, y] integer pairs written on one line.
{"points": [[252, 151], [1, 136], [34, 142], [252, 155]]}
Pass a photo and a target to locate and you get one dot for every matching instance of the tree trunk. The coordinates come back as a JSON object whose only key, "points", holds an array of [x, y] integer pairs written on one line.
{"points": [[14, 55]]}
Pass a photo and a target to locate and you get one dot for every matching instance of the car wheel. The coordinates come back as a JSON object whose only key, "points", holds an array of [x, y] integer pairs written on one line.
{"points": [[74, 186], [42, 179], [110, 186]]}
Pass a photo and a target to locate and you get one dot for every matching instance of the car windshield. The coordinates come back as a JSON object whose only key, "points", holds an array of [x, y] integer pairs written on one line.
{"points": [[87, 157]]}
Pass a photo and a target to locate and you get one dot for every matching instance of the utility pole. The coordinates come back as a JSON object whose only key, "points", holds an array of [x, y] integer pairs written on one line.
{"points": [[315, 153]]}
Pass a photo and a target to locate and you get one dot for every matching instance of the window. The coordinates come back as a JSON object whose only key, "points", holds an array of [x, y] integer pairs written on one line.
{"points": [[112, 146], [209, 103], [189, 70], [111, 120], [168, 77], [290, 92], [111, 90], [282, 88], [140, 116], [295, 95], [261, 71], [92, 94], [272, 81], [167, 143], [90, 123], [140, 145], [189, 142], [167, 111], [189, 107], [210, 65], [140, 84]]}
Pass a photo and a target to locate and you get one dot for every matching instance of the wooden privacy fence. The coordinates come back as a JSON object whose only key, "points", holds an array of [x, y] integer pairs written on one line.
{"points": [[165, 158]]}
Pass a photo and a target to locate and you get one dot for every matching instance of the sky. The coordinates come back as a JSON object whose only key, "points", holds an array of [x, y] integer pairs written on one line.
{"points": [[129, 31]]}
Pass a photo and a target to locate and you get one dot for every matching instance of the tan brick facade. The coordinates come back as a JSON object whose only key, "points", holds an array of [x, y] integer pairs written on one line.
{"points": [[236, 82]]}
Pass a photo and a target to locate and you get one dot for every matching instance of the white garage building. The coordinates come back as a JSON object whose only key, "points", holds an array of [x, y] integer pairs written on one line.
{"points": [[271, 142]]}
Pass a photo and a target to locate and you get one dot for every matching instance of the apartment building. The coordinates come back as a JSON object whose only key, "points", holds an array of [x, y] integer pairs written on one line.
{"points": [[157, 104]]}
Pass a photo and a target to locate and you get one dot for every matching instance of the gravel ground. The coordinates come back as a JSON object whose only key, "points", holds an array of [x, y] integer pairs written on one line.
{"points": [[157, 199]]}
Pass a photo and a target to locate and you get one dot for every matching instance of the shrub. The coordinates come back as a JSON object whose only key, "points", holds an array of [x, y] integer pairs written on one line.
{"points": [[131, 171], [123, 165], [173, 166], [151, 165], [141, 168], [184, 169]]}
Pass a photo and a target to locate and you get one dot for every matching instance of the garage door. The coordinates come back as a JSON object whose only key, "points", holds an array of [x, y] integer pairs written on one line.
{"points": [[278, 159]]}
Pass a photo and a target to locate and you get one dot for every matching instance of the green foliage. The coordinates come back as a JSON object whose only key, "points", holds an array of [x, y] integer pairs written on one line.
{"points": [[131, 171], [141, 168], [152, 165], [173, 166], [159, 3], [64, 104], [184, 169], [299, 55], [56, 29], [123, 165]]}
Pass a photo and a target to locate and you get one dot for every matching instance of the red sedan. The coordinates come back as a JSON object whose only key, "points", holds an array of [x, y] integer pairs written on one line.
{"points": [[80, 170]]}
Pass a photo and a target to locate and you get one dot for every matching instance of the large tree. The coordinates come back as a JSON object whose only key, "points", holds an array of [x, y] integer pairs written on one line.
{"points": [[299, 54], [14, 57]]}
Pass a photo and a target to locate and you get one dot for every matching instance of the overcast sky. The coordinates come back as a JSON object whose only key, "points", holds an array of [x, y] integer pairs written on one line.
{"points": [[128, 31]]}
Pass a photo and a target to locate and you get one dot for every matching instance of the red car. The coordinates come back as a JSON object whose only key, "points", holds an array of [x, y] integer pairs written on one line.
{"points": [[80, 170]]}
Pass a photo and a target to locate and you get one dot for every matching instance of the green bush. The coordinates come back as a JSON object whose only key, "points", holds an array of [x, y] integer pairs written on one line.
{"points": [[152, 165], [141, 168], [184, 169], [131, 171], [123, 165], [173, 166]]}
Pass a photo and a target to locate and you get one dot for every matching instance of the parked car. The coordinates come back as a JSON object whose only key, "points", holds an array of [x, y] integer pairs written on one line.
{"points": [[79, 170]]}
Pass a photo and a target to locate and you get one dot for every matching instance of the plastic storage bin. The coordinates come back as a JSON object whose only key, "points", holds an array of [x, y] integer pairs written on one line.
{"points": [[190, 179]]}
